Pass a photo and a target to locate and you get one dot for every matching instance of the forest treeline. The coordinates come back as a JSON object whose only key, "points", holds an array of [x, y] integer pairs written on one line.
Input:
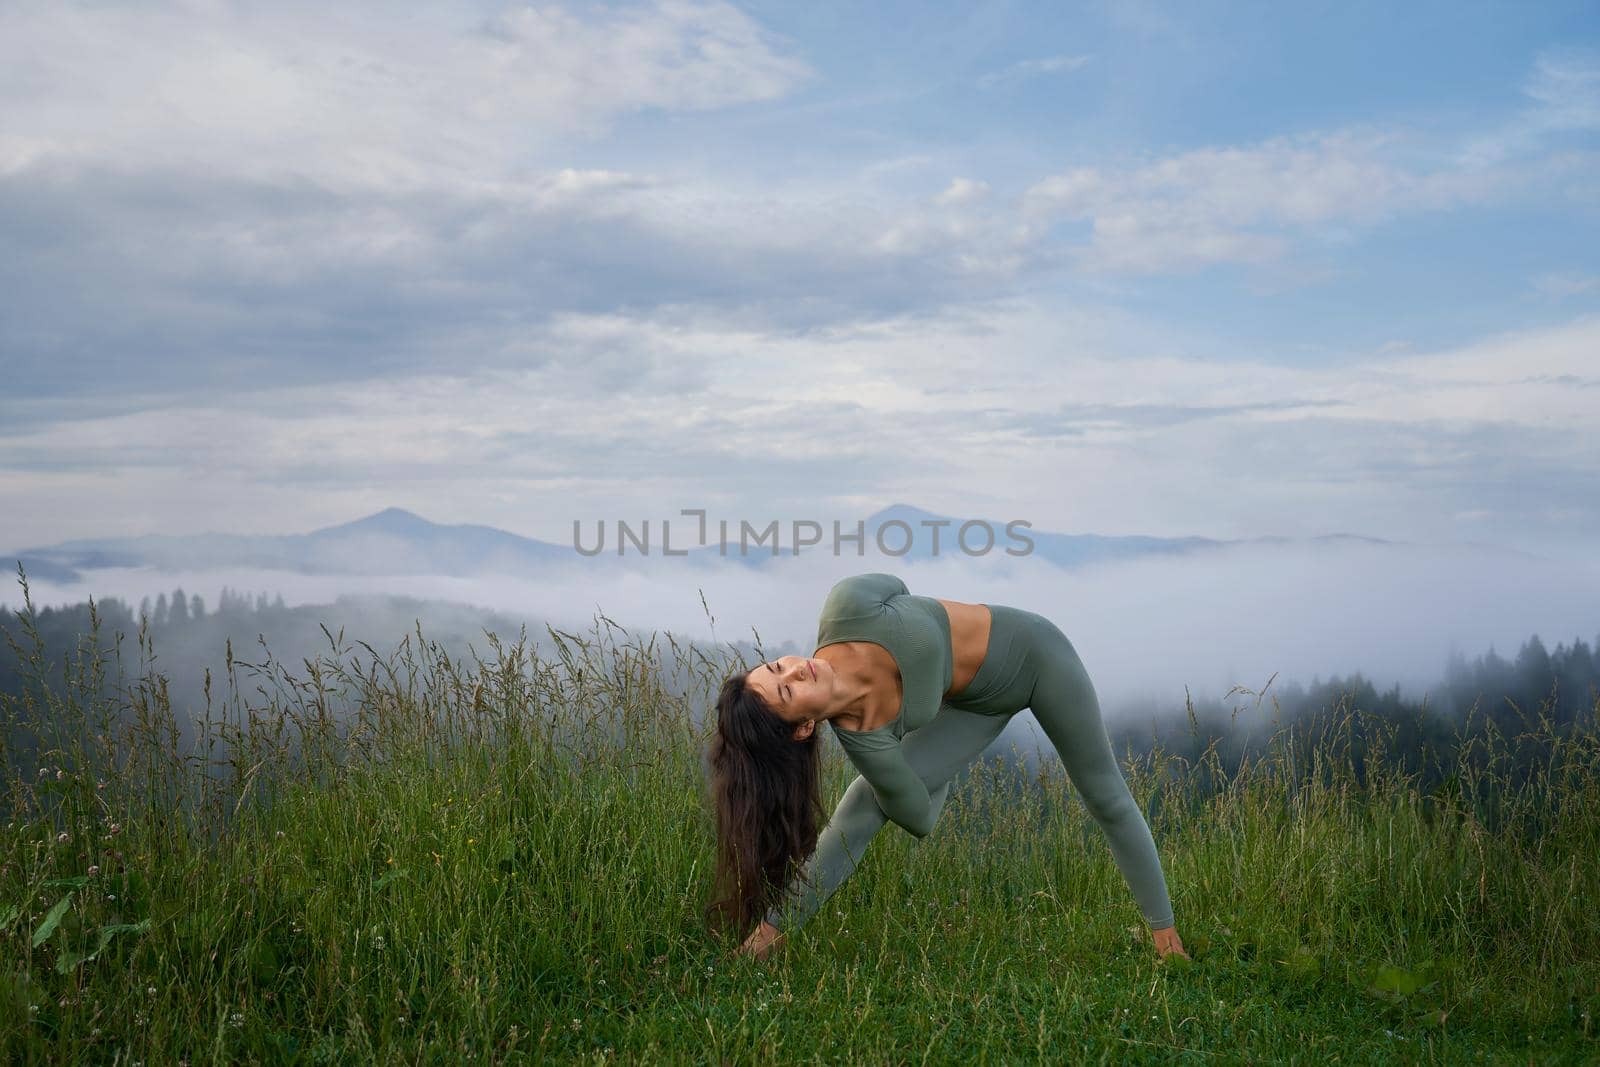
{"points": [[1487, 694], [1487, 714]]}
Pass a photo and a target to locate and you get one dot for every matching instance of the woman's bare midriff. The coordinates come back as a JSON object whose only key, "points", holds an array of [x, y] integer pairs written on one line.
{"points": [[969, 641]]}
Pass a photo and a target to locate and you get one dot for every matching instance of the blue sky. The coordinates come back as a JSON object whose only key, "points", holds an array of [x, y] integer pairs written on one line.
{"points": [[1218, 269]]}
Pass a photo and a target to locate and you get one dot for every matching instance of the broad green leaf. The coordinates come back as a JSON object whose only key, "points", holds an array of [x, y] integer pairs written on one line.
{"points": [[1396, 980], [389, 876], [69, 960], [9, 915], [52, 920]]}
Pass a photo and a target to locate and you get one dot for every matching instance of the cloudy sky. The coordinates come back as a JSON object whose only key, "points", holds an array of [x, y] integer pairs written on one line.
{"points": [[1213, 269]]}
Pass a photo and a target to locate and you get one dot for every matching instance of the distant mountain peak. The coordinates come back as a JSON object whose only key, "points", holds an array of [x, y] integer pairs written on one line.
{"points": [[903, 512], [389, 520]]}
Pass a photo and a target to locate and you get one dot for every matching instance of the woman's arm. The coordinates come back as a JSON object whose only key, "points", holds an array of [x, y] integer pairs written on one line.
{"points": [[902, 795], [841, 845], [934, 754]]}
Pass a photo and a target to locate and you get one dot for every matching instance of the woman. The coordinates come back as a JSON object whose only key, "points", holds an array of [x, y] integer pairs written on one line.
{"points": [[914, 688]]}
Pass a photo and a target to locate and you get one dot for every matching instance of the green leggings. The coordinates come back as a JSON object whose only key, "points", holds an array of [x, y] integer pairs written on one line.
{"points": [[1029, 664]]}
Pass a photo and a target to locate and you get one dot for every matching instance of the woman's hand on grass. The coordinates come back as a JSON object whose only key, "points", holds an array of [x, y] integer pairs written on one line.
{"points": [[1168, 943], [761, 941]]}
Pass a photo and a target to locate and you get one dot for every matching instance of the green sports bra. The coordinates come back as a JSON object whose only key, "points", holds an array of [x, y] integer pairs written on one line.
{"points": [[915, 630]]}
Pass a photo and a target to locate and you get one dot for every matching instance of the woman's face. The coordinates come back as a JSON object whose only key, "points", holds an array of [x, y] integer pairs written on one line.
{"points": [[798, 689]]}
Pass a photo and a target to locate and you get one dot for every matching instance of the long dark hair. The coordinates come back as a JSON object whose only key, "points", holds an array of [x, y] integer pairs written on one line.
{"points": [[765, 789]]}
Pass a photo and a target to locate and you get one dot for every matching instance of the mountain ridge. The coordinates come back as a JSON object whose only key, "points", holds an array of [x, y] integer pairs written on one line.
{"points": [[395, 540]]}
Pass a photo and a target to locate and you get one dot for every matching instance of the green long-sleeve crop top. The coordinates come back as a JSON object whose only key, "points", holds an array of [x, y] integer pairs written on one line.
{"points": [[915, 630]]}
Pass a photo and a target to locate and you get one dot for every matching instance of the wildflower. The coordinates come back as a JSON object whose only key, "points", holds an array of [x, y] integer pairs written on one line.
{"points": [[150, 991], [236, 1020], [101, 786], [378, 943], [44, 772], [471, 840], [94, 869], [62, 838], [279, 835], [60, 774]]}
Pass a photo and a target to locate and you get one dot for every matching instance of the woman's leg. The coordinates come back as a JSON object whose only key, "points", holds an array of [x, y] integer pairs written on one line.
{"points": [[936, 752], [1065, 704]]}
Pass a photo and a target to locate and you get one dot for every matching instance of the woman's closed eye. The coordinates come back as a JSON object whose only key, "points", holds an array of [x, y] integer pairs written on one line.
{"points": [[781, 693]]}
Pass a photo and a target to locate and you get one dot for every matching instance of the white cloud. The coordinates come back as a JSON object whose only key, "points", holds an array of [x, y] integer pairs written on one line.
{"points": [[962, 191], [1241, 204], [1255, 203], [1561, 285], [1565, 84], [1031, 68], [359, 95]]}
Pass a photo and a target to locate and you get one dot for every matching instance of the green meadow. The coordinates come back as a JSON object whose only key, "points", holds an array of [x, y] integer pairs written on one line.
{"points": [[401, 855]]}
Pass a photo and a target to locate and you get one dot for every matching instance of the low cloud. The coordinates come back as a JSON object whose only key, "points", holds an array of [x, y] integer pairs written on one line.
{"points": [[1147, 629]]}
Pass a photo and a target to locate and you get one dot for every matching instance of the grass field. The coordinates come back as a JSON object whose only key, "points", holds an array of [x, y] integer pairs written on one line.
{"points": [[401, 857]]}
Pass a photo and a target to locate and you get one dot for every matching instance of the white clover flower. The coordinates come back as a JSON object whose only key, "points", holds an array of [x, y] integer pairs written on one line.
{"points": [[94, 869], [62, 838]]}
